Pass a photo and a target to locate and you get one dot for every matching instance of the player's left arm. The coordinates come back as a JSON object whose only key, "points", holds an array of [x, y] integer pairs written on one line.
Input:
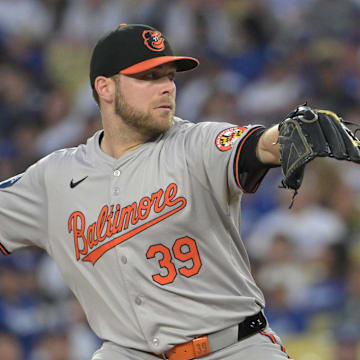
{"points": [[255, 155], [268, 149]]}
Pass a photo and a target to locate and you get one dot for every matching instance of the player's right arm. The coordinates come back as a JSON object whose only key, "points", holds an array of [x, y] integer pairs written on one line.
{"points": [[23, 210]]}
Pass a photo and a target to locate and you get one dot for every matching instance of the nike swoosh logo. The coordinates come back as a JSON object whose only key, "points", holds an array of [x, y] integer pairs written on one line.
{"points": [[73, 184], [96, 254]]}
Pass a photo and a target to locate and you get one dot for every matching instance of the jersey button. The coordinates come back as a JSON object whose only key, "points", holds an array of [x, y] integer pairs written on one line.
{"points": [[117, 173], [124, 259], [138, 300], [156, 342], [116, 191]]}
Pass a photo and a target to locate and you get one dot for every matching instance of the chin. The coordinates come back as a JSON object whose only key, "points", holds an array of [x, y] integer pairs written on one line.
{"points": [[164, 121], [159, 125]]}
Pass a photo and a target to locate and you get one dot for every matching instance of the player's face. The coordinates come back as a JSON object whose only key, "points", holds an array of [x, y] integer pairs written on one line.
{"points": [[146, 101]]}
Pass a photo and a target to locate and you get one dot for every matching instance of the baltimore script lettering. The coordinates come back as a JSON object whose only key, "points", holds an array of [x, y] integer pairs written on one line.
{"points": [[113, 219]]}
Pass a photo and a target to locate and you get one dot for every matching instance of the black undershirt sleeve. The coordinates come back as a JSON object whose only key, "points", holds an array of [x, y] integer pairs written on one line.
{"points": [[249, 171]]}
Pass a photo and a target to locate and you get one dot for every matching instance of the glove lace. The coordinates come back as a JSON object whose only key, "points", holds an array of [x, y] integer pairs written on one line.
{"points": [[352, 123], [282, 186]]}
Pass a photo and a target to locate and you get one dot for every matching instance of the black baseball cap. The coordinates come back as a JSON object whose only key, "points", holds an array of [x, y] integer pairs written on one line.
{"points": [[131, 49]]}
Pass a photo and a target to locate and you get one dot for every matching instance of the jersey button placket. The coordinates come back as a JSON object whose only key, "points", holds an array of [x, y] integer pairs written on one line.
{"points": [[155, 342], [116, 189]]}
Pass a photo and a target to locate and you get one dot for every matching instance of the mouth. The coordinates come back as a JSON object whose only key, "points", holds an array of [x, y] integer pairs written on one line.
{"points": [[165, 107]]}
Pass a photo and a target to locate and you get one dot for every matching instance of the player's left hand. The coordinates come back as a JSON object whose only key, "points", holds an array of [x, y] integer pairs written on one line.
{"points": [[306, 134]]}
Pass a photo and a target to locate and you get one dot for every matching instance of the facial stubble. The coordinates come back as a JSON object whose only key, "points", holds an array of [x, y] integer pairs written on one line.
{"points": [[148, 125]]}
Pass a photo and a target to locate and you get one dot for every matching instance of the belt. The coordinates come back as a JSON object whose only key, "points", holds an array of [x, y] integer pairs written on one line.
{"points": [[207, 344]]}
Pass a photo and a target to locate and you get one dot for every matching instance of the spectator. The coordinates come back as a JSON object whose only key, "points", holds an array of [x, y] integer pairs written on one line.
{"points": [[83, 20], [62, 127], [19, 310], [53, 346], [311, 227], [346, 344], [19, 15], [10, 348]]}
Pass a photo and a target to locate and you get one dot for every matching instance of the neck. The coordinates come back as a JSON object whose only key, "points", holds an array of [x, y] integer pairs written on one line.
{"points": [[119, 139], [113, 146]]}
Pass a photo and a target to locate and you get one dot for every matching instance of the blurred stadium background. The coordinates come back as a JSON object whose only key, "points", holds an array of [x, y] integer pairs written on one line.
{"points": [[259, 59]]}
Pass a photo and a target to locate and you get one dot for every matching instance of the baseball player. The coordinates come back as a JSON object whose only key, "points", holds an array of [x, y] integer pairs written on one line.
{"points": [[143, 220]]}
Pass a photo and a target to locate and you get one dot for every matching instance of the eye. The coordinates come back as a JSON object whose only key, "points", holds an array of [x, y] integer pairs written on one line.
{"points": [[149, 76], [155, 75], [171, 76]]}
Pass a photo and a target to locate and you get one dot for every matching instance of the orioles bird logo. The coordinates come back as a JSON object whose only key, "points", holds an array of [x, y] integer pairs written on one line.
{"points": [[226, 139], [154, 40]]}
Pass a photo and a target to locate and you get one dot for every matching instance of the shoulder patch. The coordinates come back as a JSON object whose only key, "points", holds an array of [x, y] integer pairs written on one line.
{"points": [[11, 181], [226, 138]]}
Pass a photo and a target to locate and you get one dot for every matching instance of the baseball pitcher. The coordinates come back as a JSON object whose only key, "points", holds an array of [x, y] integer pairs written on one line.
{"points": [[143, 219]]}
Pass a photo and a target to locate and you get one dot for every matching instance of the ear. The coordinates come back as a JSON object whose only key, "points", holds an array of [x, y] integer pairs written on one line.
{"points": [[105, 88]]}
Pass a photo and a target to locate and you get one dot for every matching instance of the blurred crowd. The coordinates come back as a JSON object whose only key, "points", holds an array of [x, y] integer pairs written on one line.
{"points": [[259, 60]]}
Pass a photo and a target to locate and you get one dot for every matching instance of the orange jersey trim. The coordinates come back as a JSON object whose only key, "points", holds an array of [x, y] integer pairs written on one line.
{"points": [[151, 63], [273, 340], [4, 250]]}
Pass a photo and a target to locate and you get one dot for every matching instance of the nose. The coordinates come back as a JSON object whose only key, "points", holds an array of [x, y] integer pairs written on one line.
{"points": [[168, 86]]}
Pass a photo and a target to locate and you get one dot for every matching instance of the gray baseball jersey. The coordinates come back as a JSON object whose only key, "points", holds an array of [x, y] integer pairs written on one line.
{"points": [[149, 243]]}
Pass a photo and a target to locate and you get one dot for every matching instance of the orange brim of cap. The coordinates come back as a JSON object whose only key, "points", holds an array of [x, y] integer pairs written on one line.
{"points": [[183, 63]]}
